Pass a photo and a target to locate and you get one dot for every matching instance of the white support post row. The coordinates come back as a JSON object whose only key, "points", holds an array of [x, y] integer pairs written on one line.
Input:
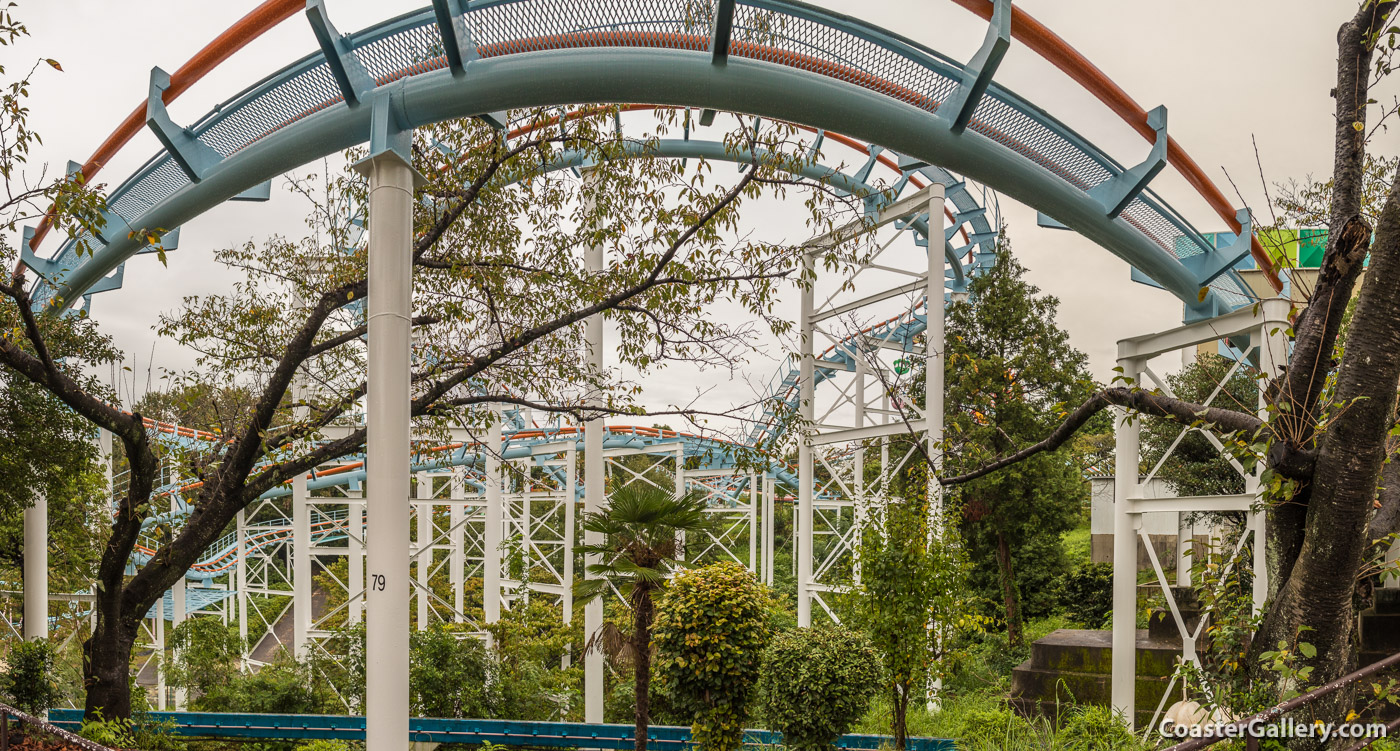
{"points": [[1125, 542], [806, 483], [391, 183], [933, 393]]}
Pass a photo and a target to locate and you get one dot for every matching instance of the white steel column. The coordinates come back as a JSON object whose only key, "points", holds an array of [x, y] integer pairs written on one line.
{"points": [[355, 556], [933, 358], [240, 573], [1125, 542], [593, 489], [570, 494], [391, 182], [1273, 356], [36, 569], [177, 595], [424, 509], [491, 547], [457, 519], [806, 483], [934, 342], [301, 565], [1184, 540]]}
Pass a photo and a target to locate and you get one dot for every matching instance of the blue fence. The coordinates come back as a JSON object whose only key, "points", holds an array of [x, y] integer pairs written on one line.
{"points": [[502, 732]]}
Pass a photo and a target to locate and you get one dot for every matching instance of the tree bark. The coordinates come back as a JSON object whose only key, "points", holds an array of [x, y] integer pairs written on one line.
{"points": [[1012, 601], [899, 725], [1317, 599], [641, 662]]}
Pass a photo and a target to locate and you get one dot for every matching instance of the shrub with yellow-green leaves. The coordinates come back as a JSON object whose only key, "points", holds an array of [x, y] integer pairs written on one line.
{"points": [[710, 633]]}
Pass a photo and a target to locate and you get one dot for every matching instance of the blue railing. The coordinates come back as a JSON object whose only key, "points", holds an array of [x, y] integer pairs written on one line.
{"points": [[500, 732]]}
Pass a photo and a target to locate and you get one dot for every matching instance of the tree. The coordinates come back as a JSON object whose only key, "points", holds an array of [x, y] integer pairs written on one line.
{"points": [[816, 683], [641, 529], [452, 677], [1333, 486], [499, 292], [711, 630], [1009, 365], [910, 578]]}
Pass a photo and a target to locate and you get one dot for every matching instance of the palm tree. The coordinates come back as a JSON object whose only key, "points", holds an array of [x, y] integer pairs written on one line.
{"points": [[641, 528]]}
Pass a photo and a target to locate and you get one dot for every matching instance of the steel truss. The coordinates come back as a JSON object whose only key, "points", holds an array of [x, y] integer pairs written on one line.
{"points": [[1254, 338]]}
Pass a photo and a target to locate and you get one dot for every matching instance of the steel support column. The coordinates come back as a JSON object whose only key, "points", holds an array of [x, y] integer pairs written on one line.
{"points": [[593, 489], [495, 521], [933, 393], [391, 182], [805, 481], [36, 569], [1125, 542]]}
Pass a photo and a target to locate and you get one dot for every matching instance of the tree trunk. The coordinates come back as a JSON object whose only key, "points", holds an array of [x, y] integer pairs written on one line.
{"points": [[641, 661], [107, 669], [901, 715], [1315, 605], [1011, 600]]}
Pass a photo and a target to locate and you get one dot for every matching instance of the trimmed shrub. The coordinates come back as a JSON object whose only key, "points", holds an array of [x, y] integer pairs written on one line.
{"points": [[816, 683], [710, 632]]}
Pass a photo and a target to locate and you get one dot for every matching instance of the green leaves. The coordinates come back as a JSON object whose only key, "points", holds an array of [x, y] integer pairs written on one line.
{"points": [[711, 630]]}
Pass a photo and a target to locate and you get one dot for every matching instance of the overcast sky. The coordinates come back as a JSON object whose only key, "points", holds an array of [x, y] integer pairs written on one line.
{"points": [[1229, 72]]}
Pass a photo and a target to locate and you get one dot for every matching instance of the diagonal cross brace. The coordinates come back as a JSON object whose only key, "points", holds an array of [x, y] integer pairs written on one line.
{"points": [[977, 74], [194, 157], [1208, 266], [1118, 191], [350, 75], [722, 32], [459, 47]]}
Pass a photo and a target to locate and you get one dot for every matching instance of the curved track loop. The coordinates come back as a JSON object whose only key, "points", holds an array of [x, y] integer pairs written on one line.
{"points": [[786, 60]]}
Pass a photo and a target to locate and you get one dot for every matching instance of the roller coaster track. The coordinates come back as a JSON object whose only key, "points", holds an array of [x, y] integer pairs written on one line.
{"points": [[783, 60]]}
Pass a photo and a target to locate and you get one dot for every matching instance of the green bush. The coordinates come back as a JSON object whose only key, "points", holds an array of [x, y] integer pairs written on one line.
{"points": [[1086, 593], [28, 681], [711, 629], [1092, 728], [324, 745], [451, 677], [816, 683], [992, 725]]}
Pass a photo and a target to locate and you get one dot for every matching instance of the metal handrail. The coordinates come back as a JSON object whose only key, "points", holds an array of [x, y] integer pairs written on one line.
{"points": [[1282, 708], [6, 712]]}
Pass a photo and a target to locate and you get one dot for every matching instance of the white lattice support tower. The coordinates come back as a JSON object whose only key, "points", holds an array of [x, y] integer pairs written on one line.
{"points": [[1264, 325], [859, 346]]}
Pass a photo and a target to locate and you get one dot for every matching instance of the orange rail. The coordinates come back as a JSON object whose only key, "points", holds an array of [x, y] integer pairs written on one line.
{"points": [[261, 20]]}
